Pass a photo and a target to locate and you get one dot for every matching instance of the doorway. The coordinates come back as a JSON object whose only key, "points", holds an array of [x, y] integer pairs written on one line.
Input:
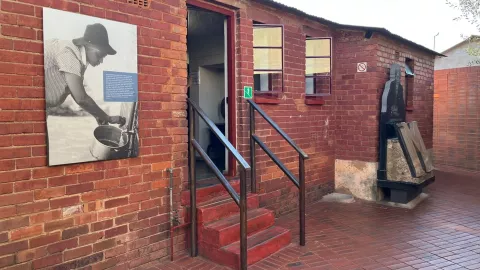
{"points": [[211, 84]]}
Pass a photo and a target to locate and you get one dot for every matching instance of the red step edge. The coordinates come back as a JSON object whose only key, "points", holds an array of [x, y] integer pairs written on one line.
{"points": [[260, 246], [219, 210], [208, 193], [226, 231], [221, 207]]}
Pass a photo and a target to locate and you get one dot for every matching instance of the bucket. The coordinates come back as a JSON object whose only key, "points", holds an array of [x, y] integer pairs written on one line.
{"points": [[109, 142]]}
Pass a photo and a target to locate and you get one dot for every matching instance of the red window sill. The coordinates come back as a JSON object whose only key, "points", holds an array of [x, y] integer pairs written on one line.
{"points": [[314, 100], [409, 108], [266, 98]]}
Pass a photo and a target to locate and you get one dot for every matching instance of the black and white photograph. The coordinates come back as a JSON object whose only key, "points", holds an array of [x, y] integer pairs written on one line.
{"points": [[91, 88]]}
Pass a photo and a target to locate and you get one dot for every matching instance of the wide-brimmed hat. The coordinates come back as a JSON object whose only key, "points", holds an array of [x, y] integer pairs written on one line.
{"points": [[96, 35]]}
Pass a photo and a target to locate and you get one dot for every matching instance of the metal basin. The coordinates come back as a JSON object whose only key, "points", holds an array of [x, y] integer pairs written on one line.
{"points": [[109, 142]]}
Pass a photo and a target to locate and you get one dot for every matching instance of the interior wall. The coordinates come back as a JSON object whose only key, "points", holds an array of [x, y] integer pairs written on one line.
{"points": [[206, 48], [212, 92]]}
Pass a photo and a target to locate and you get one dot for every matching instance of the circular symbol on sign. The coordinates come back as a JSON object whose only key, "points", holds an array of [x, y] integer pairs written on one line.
{"points": [[362, 67]]}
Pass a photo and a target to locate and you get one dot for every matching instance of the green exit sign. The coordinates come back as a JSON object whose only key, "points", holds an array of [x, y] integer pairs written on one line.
{"points": [[247, 92]]}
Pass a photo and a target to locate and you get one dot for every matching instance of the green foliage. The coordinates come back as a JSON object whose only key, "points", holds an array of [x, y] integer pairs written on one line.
{"points": [[470, 12], [469, 9]]}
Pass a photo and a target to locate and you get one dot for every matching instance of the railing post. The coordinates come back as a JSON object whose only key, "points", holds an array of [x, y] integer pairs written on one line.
{"points": [[302, 199], [243, 219], [253, 172], [192, 176]]}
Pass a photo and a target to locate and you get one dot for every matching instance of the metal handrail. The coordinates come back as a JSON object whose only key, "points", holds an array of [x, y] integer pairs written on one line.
{"points": [[240, 200], [220, 135], [277, 128], [302, 156], [276, 160], [217, 172]]}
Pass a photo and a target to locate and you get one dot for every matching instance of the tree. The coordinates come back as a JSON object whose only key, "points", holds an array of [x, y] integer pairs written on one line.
{"points": [[469, 11]]}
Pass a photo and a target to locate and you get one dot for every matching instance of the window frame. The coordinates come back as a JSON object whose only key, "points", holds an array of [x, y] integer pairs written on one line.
{"points": [[409, 83], [319, 76], [282, 47]]}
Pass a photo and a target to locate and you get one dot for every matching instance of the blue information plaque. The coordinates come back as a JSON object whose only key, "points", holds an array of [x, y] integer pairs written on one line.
{"points": [[120, 86]]}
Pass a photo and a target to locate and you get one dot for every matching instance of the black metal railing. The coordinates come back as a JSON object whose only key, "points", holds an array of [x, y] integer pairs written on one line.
{"points": [[240, 200], [300, 183]]}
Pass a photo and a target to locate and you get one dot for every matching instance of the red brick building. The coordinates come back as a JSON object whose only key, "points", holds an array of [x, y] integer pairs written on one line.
{"points": [[457, 107], [121, 217]]}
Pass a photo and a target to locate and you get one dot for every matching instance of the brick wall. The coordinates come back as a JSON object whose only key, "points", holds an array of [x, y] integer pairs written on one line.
{"points": [[357, 97], [457, 119], [311, 127], [358, 94], [100, 214], [115, 213], [390, 52]]}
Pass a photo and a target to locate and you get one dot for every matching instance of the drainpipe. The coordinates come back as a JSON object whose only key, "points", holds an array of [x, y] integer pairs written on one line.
{"points": [[170, 187], [174, 220]]}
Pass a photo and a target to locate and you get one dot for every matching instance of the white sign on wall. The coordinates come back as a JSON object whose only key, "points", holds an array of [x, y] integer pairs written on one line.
{"points": [[362, 67]]}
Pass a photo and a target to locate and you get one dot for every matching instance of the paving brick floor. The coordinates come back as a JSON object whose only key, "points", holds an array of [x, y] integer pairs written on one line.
{"points": [[443, 232]]}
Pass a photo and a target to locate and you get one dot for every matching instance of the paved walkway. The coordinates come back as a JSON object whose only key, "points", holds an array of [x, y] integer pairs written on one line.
{"points": [[443, 232]]}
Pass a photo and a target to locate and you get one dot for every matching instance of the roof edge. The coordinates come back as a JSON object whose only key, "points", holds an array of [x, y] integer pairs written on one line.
{"points": [[384, 31], [461, 43], [393, 36]]}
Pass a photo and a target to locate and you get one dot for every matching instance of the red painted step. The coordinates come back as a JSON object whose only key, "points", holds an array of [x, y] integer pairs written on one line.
{"points": [[218, 218], [223, 208], [209, 193], [226, 231], [259, 245], [220, 207]]}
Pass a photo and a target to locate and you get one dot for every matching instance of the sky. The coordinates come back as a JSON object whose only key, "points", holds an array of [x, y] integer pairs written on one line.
{"points": [[416, 20]]}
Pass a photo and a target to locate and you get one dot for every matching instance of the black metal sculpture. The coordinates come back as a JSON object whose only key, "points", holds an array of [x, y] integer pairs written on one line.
{"points": [[393, 126]]}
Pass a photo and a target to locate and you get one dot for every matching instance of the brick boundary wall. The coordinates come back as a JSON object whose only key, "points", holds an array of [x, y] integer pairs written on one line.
{"points": [[457, 120]]}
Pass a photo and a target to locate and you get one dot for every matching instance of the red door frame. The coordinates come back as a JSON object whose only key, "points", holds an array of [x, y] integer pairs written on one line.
{"points": [[231, 100]]}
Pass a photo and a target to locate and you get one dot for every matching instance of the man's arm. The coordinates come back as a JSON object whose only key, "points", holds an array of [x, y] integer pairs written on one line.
{"points": [[75, 84]]}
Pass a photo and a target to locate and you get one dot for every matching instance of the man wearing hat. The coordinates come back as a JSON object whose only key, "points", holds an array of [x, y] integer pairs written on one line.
{"points": [[65, 65]]}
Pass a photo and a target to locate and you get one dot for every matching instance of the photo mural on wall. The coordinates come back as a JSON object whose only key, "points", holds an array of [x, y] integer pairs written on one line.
{"points": [[91, 88]]}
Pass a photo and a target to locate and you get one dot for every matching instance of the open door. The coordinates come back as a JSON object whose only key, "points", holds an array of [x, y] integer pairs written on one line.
{"points": [[211, 82], [226, 75]]}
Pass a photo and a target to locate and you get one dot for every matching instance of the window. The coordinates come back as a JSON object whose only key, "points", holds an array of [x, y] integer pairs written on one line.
{"points": [[268, 57], [409, 83], [318, 67]]}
